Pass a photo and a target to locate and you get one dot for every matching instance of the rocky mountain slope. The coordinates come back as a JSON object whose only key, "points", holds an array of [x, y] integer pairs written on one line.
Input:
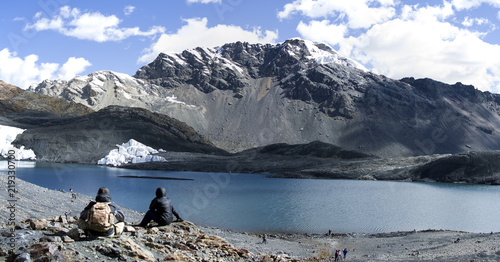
{"points": [[244, 95], [24, 109]]}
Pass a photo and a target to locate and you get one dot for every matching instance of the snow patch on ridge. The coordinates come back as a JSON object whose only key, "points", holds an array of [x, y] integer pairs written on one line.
{"points": [[7, 135], [324, 54], [131, 152], [173, 99], [206, 56]]}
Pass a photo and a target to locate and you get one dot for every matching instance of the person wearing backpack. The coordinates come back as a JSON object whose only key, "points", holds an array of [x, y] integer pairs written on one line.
{"points": [[160, 210], [98, 217]]}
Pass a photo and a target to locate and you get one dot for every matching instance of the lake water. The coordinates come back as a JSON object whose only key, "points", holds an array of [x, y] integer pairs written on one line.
{"points": [[255, 203]]}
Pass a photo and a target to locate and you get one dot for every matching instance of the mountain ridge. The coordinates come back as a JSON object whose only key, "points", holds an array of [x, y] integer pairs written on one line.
{"points": [[23, 109], [88, 138], [243, 95]]}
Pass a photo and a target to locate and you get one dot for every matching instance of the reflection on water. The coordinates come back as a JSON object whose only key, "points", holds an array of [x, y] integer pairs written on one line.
{"points": [[249, 202]]}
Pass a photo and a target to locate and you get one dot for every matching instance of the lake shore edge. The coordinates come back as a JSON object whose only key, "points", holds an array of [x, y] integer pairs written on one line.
{"points": [[36, 202]]}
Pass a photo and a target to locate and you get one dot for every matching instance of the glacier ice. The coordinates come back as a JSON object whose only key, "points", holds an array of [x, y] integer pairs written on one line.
{"points": [[7, 136], [131, 152]]}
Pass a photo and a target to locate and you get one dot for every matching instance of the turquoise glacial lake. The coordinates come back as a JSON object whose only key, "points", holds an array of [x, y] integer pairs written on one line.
{"points": [[256, 203]]}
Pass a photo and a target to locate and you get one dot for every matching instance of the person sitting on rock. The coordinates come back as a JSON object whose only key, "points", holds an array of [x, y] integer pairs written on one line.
{"points": [[160, 210], [98, 217]]}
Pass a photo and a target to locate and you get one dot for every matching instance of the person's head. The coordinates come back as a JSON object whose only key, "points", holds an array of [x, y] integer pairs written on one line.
{"points": [[103, 191], [161, 192], [103, 195]]}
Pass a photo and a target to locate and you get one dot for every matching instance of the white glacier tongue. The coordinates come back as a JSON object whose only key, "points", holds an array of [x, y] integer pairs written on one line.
{"points": [[131, 152], [7, 136]]}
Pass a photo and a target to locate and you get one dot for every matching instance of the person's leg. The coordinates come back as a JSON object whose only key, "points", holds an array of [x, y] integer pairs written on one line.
{"points": [[119, 228], [83, 226], [150, 215]]}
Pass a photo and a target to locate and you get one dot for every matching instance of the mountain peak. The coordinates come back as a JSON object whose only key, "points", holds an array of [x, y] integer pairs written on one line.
{"points": [[321, 53], [227, 67]]}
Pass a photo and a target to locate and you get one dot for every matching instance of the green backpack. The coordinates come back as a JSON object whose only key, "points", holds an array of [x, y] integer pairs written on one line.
{"points": [[100, 218]]}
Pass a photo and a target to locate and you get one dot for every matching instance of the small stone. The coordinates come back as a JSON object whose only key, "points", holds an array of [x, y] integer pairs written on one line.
{"points": [[39, 224], [175, 257], [74, 233], [129, 229], [67, 239], [50, 239], [24, 257], [22, 226], [108, 251], [244, 253], [153, 230], [58, 230], [63, 219], [71, 220], [134, 250]]}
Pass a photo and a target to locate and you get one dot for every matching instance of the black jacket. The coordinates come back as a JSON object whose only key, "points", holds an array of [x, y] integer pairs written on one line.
{"points": [[163, 207]]}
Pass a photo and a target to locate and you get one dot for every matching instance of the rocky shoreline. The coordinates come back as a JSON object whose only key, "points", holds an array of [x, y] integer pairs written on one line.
{"points": [[471, 167], [45, 231]]}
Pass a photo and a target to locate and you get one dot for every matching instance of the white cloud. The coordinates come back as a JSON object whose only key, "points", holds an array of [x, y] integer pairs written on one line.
{"points": [[468, 4], [128, 10], [359, 13], [316, 31], [196, 33], [25, 71], [436, 50], [72, 67], [468, 22], [420, 42], [88, 26], [204, 1]]}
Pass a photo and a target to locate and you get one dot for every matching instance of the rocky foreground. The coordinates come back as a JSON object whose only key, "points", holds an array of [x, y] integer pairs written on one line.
{"points": [[46, 231]]}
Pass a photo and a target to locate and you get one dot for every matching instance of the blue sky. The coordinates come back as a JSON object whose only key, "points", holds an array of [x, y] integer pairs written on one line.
{"points": [[447, 40]]}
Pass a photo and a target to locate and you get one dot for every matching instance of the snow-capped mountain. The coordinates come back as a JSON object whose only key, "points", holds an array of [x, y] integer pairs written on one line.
{"points": [[103, 88], [243, 95]]}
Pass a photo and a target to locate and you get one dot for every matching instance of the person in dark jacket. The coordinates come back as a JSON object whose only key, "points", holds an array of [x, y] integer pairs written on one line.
{"points": [[103, 195], [160, 210]]}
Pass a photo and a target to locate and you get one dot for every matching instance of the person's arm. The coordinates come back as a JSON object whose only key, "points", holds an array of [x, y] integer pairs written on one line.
{"points": [[153, 205], [119, 216], [117, 212], [85, 212], [176, 215]]}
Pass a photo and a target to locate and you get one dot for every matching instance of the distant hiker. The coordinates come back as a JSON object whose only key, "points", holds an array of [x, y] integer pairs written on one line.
{"points": [[264, 239], [329, 232], [98, 217], [160, 210], [345, 252], [73, 195]]}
